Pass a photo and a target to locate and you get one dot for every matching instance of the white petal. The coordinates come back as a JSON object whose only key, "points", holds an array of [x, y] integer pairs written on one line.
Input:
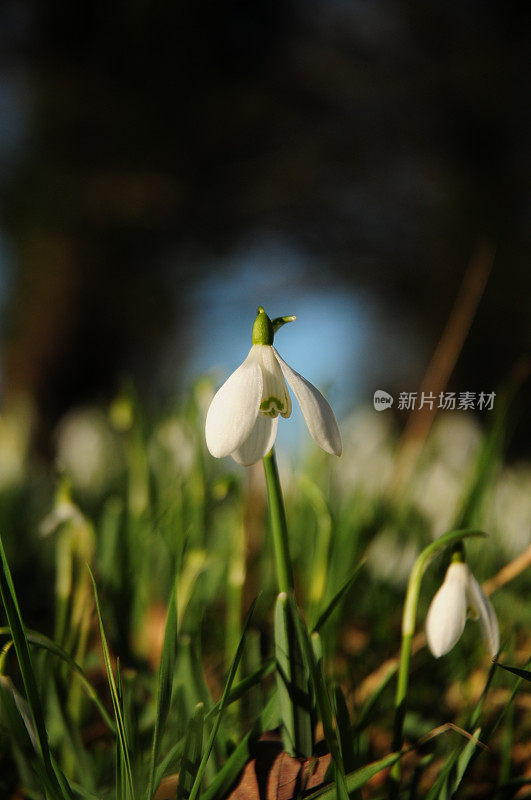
{"points": [[234, 409], [319, 417], [275, 395], [446, 617], [259, 442], [487, 616]]}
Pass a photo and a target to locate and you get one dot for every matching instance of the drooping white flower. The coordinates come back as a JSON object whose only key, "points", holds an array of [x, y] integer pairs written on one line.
{"points": [[243, 416], [460, 592]]}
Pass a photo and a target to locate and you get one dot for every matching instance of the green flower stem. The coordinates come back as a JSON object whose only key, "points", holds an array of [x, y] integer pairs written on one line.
{"points": [[409, 616], [279, 527]]}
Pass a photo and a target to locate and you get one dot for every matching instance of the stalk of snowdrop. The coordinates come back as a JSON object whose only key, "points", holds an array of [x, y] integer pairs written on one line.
{"points": [[279, 527], [242, 422], [409, 615]]}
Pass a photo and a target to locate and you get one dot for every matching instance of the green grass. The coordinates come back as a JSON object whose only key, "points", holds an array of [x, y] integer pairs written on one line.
{"points": [[153, 671]]}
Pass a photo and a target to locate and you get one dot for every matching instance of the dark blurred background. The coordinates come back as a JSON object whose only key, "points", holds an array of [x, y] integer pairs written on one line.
{"points": [[167, 166]]}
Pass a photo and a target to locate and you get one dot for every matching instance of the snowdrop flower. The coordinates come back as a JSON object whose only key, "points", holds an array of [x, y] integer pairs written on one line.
{"points": [[243, 416], [447, 614]]}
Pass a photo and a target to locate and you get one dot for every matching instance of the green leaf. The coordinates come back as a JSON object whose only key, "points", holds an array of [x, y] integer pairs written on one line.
{"points": [[20, 642], [494, 725], [355, 780], [463, 761], [17, 716], [224, 698], [293, 680], [240, 755], [243, 686], [521, 673], [336, 599], [346, 739], [195, 690], [447, 774], [311, 648], [368, 707], [39, 640], [219, 787], [193, 747], [171, 757], [123, 748], [165, 685], [453, 770], [121, 789]]}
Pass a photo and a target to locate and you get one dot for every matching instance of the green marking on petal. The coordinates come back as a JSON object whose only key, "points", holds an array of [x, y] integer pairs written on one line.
{"points": [[272, 406]]}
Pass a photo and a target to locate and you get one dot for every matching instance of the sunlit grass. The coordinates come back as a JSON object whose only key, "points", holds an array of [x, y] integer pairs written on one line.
{"points": [[122, 704]]}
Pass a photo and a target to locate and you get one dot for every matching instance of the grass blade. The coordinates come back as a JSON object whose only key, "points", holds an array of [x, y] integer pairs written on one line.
{"points": [[269, 718], [20, 642], [172, 757], [358, 779], [494, 725], [224, 698], [243, 686], [195, 690], [121, 787], [17, 718], [368, 707], [521, 673], [445, 773], [193, 747], [313, 650], [118, 716], [448, 782], [336, 599], [293, 681], [42, 641], [463, 761], [344, 727], [165, 684]]}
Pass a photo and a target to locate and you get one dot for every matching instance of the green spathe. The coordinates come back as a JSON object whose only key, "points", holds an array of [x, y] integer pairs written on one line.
{"points": [[264, 329]]}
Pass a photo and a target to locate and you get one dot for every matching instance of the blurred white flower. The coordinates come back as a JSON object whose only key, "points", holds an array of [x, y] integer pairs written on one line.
{"points": [[368, 459], [454, 440], [243, 416], [511, 509], [437, 488], [390, 558], [436, 492], [87, 449], [447, 614], [172, 448]]}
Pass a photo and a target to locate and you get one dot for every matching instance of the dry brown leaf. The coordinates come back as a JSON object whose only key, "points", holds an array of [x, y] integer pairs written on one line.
{"points": [[167, 787], [274, 775]]}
